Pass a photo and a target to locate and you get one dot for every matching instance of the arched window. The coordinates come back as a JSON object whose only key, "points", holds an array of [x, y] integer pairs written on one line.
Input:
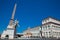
{"points": [[19, 36], [7, 36]]}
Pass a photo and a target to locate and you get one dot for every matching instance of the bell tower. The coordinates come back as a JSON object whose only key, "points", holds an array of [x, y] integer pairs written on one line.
{"points": [[11, 28]]}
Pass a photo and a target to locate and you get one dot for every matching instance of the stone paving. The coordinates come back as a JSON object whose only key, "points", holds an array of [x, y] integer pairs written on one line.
{"points": [[33, 39]]}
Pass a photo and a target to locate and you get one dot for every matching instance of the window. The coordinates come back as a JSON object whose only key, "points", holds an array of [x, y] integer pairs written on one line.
{"points": [[49, 32], [48, 25]]}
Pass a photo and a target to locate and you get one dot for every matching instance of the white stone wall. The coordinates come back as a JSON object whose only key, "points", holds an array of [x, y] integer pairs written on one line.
{"points": [[35, 31], [10, 33], [46, 30], [52, 31]]}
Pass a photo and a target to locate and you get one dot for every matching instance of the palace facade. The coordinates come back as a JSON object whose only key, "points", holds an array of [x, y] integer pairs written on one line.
{"points": [[50, 28]]}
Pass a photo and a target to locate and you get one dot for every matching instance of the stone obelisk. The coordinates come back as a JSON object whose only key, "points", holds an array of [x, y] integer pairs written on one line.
{"points": [[11, 28]]}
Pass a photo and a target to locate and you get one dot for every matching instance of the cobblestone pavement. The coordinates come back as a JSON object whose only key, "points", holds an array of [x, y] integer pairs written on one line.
{"points": [[33, 39]]}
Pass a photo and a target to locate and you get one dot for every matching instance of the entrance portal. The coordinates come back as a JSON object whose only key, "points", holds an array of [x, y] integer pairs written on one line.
{"points": [[7, 36]]}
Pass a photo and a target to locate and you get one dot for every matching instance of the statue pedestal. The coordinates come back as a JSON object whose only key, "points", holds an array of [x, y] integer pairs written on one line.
{"points": [[9, 33]]}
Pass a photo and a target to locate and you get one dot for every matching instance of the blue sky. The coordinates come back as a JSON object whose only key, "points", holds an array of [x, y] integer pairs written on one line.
{"points": [[29, 13]]}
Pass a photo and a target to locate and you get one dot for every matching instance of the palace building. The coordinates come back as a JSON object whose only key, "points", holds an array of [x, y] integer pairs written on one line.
{"points": [[33, 31], [50, 28]]}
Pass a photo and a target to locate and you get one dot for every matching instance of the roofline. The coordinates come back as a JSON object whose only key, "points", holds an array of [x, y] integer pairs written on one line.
{"points": [[52, 18]]}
